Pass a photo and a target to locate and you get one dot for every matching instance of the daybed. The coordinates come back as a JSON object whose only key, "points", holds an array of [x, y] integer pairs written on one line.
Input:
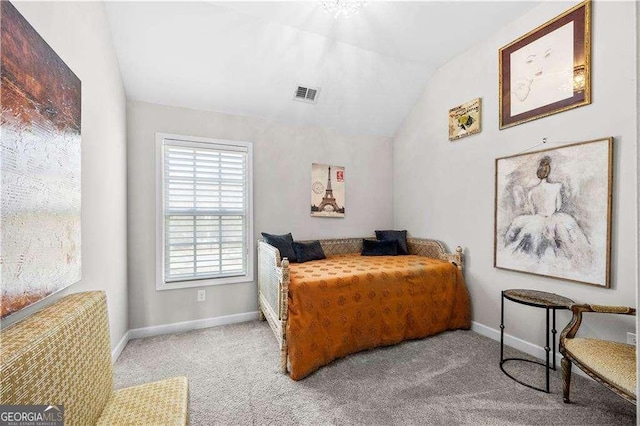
{"points": [[326, 309], [61, 355]]}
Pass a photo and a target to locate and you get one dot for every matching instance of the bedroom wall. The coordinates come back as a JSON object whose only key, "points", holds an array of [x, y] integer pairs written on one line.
{"points": [[78, 32], [282, 167], [638, 178], [445, 190]]}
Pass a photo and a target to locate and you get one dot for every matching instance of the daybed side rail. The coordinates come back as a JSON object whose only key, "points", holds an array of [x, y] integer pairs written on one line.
{"points": [[435, 249], [270, 278], [273, 290]]}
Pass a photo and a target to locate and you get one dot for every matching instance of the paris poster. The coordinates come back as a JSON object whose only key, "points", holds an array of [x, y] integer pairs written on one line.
{"points": [[327, 190]]}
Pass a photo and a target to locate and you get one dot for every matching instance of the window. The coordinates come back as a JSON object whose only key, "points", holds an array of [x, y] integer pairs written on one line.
{"points": [[204, 204]]}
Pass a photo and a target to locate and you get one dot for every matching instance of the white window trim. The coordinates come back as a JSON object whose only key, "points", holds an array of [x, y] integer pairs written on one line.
{"points": [[160, 283]]}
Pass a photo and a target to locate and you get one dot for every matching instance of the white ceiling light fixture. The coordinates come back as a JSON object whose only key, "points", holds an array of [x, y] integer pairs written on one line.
{"points": [[342, 8]]}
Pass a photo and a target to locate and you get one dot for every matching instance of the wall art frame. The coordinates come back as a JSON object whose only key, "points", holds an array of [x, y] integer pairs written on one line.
{"points": [[553, 212], [465, 119], [327, 191], [548, 70], [40, 167]]}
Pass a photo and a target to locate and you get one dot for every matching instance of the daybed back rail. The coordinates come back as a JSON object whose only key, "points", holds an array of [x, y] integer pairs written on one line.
{"points": [[417, 246], [434, 249], [341, 246]]}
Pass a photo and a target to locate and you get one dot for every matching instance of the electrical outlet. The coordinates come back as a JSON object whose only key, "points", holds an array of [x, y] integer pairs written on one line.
{"points": [[202, 295], [631, 338]]}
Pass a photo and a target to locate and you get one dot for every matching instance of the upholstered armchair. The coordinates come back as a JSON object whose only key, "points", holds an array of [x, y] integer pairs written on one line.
{"points": [[611, 363], [62, 355]]}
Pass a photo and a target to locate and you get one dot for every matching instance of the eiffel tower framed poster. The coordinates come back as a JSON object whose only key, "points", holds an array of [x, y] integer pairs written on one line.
{"points": [[327, 190]]}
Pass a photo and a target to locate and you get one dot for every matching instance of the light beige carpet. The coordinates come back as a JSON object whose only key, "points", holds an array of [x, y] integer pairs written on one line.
{"points": [[452, 378]]}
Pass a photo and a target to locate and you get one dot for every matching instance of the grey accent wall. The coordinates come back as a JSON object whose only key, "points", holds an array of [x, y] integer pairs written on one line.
{"points": [[445, 189], [79, 33], [282, 179]]}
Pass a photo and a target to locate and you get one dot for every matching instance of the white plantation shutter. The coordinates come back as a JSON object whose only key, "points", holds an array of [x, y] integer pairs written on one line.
{"points": [[206, 210]]}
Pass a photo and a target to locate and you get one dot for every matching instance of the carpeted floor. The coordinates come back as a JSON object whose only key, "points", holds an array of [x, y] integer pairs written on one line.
{"points": [[452, 378]]}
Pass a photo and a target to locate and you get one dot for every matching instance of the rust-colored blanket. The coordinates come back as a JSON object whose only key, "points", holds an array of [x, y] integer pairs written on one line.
{"points": [[345, 304]]}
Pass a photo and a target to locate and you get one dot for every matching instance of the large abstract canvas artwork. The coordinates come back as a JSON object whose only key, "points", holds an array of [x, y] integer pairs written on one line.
{"points": [[553, 212], [40, 167]]}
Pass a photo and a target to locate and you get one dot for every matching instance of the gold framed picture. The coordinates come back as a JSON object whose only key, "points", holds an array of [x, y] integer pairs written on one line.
{"points": [[465, 119], [548, 70]]}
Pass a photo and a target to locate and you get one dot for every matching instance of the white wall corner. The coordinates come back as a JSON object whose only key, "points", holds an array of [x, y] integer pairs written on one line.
{"points": [[119, 347]]}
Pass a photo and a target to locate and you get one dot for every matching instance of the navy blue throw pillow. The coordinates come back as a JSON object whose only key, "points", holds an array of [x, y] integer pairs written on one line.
{"points": [[379, 248], [284, 244], [399, 236], [306, 252]]}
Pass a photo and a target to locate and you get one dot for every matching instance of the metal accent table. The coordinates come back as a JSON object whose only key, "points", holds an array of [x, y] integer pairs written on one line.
{"points": [[538, 299]]}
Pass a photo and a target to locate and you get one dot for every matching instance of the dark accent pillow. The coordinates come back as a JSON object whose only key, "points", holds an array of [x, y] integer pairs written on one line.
{"points": [[400, 236], [379, 248], [306, 252], [284, 244]]}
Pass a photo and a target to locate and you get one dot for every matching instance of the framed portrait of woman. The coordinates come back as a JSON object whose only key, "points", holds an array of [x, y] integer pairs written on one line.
{"points": [[553, 212], [547, 70]]}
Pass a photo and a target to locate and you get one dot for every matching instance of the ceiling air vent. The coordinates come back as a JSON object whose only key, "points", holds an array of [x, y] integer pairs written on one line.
{"points": [[306, 94]]}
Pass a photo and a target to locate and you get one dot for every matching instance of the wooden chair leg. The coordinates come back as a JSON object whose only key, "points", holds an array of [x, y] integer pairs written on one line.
{"points": [[566, 379], [283, 359]]}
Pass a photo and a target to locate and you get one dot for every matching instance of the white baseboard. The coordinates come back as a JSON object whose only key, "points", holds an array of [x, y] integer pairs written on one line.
{"points": [[521, 345], [180, 327], [509, 340], [119, 347]]}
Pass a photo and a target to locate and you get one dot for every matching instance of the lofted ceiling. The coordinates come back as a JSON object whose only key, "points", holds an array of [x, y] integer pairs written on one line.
{"points": [[247, 58]]}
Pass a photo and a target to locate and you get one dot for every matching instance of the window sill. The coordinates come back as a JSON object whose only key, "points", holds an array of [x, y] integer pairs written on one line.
{"points": [[177, 285]]}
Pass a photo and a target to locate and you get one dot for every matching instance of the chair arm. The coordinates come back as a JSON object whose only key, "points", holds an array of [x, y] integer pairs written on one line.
{"points": [[571, 329], [624, 310]]}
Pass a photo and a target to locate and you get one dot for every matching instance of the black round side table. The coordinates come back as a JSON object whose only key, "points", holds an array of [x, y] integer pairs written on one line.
{"points": [[538, 299]]}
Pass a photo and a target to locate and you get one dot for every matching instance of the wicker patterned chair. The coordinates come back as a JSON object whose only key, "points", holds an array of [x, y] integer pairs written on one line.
{"points": [[62, 355], [611, 363]]}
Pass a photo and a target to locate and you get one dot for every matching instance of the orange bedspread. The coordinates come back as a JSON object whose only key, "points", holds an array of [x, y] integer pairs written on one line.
{"points": [[349, 303]]}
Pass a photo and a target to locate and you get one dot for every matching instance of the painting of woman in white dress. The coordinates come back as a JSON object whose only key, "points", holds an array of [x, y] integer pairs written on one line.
{"points": [[552, 212]]}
